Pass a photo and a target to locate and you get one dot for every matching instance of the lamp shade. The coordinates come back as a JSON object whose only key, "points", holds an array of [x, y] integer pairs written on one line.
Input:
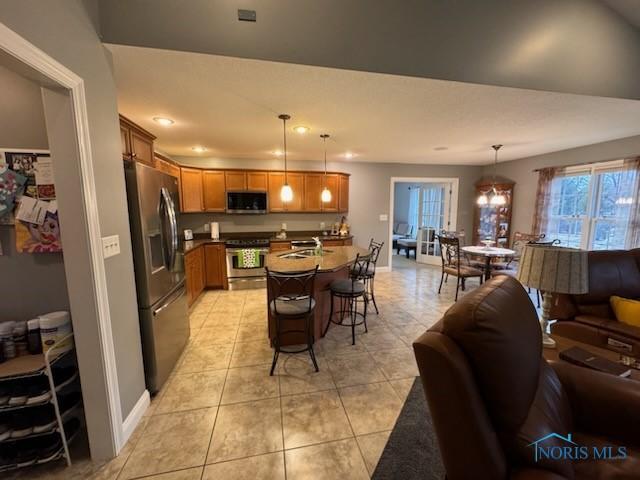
{"points": [[554, 269]]}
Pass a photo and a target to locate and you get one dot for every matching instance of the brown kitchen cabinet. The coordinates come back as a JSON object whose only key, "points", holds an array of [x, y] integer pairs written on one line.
{"points": [[257, 181], [137, 143], [191, 190], [167, 167], [235, 181], [276, 181], [296, 182], [332, 181], [279, 245], [313, 185], [215, 261], [214, 196], [343, 193], [337, 242], [194, 268]]}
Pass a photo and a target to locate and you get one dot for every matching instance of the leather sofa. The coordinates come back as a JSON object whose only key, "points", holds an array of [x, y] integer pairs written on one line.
{"points": [[491, 395], [589, 318]]}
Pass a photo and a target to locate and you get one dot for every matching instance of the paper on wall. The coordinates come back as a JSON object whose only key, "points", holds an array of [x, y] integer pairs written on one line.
{"points": [[31, 210]]}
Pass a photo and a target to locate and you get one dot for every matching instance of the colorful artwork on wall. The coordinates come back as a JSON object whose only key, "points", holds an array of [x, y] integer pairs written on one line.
{"points": [[36, 216]]}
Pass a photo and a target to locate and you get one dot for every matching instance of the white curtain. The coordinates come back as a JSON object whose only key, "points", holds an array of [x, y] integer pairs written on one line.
{"points": [[412, 216]]}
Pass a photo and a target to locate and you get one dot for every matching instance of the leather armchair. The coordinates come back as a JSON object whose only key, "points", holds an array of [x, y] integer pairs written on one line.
{"points": [[491, 394]]}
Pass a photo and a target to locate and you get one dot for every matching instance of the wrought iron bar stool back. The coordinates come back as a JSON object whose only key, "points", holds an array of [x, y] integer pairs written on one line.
{"points": [[368, 276], [349, 291], [292, 309]]}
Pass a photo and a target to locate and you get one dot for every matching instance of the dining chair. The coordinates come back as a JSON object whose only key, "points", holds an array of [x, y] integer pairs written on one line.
{"points": [[455, 264]]}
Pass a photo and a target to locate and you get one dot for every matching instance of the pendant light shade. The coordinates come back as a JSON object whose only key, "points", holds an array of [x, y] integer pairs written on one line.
{"points": [[286, 193], [325, 196], [492, 197]]}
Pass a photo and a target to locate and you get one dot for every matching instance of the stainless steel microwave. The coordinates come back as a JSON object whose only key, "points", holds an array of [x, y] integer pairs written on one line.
{"points": [[247, 202]]}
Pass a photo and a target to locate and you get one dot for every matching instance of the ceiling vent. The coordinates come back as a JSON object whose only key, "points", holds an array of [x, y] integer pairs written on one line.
{"points": [[246, 15]]}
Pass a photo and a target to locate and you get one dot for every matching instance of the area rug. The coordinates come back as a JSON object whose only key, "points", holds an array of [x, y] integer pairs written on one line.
{"points": [[412, 449]]}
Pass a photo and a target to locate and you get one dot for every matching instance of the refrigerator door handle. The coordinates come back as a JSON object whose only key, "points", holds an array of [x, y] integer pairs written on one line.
{"points": [[169, 301], [168, 213]]}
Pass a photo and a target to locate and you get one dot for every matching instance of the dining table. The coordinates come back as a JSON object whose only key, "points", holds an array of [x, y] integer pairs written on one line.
{"points": [[488, 253]]}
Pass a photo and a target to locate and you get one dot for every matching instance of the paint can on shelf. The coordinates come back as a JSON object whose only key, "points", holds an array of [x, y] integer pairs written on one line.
{"points": [[54, 327]]}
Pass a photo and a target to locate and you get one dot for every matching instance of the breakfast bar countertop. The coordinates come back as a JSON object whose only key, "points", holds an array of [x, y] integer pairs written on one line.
{"points": [[333, 259]]}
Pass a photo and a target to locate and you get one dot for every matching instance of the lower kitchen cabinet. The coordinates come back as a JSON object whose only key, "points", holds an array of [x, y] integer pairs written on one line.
{"points": [[337, 242], [194, 271], [215, 266], [279, 245]]}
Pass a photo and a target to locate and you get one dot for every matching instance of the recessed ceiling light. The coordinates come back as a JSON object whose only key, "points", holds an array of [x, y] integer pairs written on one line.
{"points": [[301, 129], [277, 153], [165, 122], [199, 149], [349, 155], [439, 149]]}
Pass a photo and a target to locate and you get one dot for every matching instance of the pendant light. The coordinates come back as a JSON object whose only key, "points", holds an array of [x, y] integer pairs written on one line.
{"points": [[325, 196], [286, 193], [492, 197]]}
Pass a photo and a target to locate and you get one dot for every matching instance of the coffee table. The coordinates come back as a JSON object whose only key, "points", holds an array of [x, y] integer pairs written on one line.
{"points": [[563, 343]]}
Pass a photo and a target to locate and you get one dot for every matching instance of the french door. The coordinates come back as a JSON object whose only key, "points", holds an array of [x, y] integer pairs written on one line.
{"points": [[434, 215]]}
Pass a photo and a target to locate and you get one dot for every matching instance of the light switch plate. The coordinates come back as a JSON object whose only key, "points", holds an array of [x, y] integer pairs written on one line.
{"points": [[384, 217], [111, 246]]}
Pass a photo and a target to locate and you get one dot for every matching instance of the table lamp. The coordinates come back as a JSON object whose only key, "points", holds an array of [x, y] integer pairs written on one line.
{"points": [[553, 269]]}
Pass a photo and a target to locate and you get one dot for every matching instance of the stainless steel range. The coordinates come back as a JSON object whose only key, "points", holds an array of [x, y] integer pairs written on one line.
{"points": [[243, 278]]}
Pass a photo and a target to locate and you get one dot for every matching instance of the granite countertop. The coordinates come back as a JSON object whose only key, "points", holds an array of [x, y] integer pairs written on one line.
{"points": [[303, 236], [189, 245], [333, 259]]}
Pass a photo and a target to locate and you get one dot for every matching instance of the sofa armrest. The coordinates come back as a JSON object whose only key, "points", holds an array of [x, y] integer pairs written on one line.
{"points": [[602, 404]]}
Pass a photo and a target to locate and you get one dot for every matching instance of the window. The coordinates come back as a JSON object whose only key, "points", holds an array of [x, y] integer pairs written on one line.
{"points": [[590, 208]]}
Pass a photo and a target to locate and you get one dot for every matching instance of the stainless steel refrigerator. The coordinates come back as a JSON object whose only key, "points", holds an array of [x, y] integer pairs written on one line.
{"points": [[159, 265]]}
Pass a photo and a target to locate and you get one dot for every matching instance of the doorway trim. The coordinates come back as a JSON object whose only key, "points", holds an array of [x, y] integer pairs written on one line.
{"points": [[27, 53], [455, 181]]}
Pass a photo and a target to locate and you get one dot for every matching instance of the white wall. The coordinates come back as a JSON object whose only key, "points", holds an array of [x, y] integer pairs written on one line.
{"points": [[522, 172]]}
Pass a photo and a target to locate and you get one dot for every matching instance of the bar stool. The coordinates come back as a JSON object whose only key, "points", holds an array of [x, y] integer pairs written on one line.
{"points": [[293, 302], [368, 276], [349, 291]]}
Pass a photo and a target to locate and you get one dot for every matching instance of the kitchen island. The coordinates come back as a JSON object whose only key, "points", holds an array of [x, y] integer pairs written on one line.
{"points": [[333, 265]]}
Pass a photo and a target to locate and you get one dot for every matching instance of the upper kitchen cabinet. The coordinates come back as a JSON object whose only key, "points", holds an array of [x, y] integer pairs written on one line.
{"points": [[275, 183], [191, 196], [296, 182], [137, 143], [343, 197], [313, 185], [167, 166], [235, 181], [213, 184], [332, 181], [246, 180], [257, 181]]}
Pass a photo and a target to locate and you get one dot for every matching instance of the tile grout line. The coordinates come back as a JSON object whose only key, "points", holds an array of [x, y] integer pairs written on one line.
{"points": [[224, 383]]}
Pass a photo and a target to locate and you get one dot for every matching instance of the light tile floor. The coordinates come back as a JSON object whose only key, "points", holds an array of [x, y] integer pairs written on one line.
{"points": [[221, 416]]}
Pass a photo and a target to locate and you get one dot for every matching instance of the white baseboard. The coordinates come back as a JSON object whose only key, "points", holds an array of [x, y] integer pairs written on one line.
{"points": [[133, 419], [383, 269]]}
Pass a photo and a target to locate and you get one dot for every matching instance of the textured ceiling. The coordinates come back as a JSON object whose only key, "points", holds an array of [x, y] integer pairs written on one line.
{"points": [[230, 106]]}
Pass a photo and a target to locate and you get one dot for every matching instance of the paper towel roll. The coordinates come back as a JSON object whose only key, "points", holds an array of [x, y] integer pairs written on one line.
{"points": [[215, 230]]}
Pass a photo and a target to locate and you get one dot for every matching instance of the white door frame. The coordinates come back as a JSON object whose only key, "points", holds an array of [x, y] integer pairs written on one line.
{"points": [[29, 54], [455, 182]]}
